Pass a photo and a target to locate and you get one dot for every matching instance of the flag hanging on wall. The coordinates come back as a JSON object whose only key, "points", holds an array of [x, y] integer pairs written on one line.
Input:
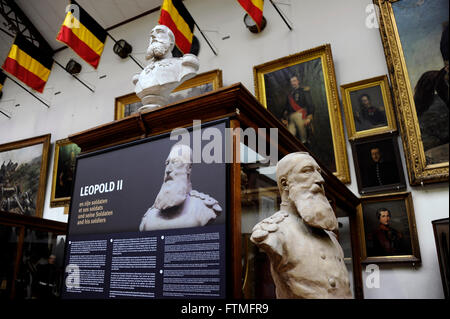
{"points": [[28, 63], [83, 35], [177, 18], [254, 9]]}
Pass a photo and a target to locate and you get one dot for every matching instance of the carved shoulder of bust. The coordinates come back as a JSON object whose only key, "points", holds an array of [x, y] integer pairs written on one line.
{"points": [[189, 67], [190, 60], [208, 208], [207, 201], [151, 211], [267, 232]]}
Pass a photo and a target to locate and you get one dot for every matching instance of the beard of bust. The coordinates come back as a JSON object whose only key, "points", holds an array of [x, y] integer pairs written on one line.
{"points": [[313, 206], [174, 191], [157, 49]]}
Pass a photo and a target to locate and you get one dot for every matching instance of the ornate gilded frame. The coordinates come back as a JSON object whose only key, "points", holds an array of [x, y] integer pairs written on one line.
{"points": [[45, 141], [337, 130], [346, 89], [58, 201], [418, 170], [407, 198], [214, 77]]}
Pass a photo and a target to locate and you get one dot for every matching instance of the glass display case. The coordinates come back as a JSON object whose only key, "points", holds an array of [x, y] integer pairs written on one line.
{"points": [[31, 257], [252, 192]]}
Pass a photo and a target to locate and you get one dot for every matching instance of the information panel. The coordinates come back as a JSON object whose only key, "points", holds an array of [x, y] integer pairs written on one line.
{"points": [[148, 221]]}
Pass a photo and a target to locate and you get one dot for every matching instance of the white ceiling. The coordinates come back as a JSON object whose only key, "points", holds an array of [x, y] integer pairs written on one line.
{"points": [[47, 16]]}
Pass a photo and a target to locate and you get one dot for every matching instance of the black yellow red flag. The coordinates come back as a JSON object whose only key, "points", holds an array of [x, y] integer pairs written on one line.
{"points": [[177, 18], [83, 35], [254, 9], [28, 63]]}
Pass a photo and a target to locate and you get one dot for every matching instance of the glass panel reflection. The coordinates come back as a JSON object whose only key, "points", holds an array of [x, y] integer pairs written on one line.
{"points": [[41, 267], [259, 199], [8, 252], [346, 244]]}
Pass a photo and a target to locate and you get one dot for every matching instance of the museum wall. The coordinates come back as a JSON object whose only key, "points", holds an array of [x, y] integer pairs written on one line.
{"points": [[357, 54]]}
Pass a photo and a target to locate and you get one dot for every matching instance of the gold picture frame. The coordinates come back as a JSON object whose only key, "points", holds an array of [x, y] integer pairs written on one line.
{"points": [[393, 241], [205, 82], [315, 67], [23, 175], [358, 97], [420, 168], [63, 170]]}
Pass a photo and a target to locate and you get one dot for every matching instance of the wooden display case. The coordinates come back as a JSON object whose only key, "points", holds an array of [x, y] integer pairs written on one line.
{"points": [[236, 104]]}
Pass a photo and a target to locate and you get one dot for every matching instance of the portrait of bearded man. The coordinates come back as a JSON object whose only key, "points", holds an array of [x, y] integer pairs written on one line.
{"points": [[177, 205], [306, 260]]}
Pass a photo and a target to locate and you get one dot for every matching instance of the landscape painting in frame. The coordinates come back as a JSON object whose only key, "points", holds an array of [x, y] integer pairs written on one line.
{"points": [[23, 172]]}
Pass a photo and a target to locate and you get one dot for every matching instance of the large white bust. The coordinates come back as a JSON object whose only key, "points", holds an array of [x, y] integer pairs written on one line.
{"points": [[177, 205], [306, 260], [164, 73]]}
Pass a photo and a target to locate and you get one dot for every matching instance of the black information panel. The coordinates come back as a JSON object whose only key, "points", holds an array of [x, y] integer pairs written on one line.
{"points": [[146, 224]]}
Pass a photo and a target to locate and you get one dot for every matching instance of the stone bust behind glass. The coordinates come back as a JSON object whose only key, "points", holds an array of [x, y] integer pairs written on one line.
{"points": [[306, 260], [164, 73], [177, 205]]}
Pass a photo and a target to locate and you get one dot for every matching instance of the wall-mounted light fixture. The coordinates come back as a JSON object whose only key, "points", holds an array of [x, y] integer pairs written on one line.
{"points": [[122, 48], [251, 25], [73, 67]]}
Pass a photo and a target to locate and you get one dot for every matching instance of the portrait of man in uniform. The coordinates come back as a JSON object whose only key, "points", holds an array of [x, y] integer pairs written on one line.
{"points": [[387, 226]]}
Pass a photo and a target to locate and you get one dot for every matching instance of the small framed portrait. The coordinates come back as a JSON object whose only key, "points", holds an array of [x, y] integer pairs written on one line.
{"points": [[201, 83], [368, 107], [63, 170], [301, 91], [23, 175], [378, 165], [388, 229]]}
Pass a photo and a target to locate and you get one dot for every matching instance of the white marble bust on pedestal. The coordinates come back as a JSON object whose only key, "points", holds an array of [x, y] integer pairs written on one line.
{"points": [[306, 260], [164, 73]]}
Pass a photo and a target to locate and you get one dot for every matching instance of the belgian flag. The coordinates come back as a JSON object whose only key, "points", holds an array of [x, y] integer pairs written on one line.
{"points": [[84, 35], [254, 9], [28, 63], [177, 18]]}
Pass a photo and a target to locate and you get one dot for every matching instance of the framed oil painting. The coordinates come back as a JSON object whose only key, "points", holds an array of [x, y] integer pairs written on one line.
{"points": [[23, 175], [415, 39], [441, 236], [378, 165], [63, 170], [388, 229], [300, 90], [368, 107], [201, 83]]}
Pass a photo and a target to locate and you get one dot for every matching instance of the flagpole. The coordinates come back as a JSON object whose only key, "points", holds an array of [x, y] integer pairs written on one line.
{"points": [[281, 15], [27, 90], [204, 37], [132, 58], [73, 76], [5, 114]]}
